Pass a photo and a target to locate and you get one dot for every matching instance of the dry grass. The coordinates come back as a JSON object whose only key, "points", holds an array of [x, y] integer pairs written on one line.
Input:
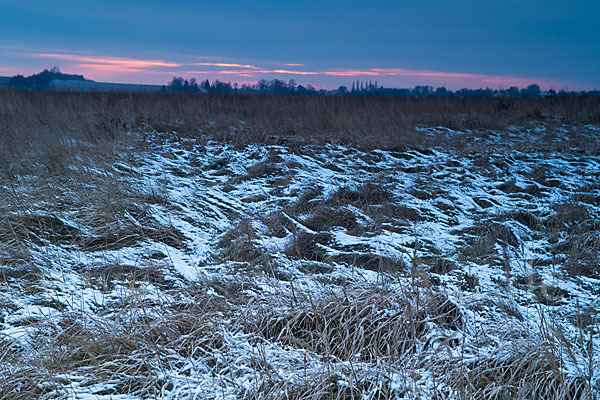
{"points": [[392, 331], [484, 237], [28, 118], [105, 214], [581, 245], [239, 243], [126, 352], [357, 324], [375, 204], [524, 371], [268, 167]]}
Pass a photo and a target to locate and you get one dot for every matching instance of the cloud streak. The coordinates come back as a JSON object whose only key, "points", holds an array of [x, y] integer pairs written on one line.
{"points": [[207, 64], [112, 61], [107, 67]]}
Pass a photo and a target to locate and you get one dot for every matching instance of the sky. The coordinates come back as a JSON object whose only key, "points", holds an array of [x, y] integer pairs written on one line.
{"points": [[459, 43]]}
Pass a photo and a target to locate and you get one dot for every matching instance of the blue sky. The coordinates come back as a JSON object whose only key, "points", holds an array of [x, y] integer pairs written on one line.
{"points": [[463, 43]]}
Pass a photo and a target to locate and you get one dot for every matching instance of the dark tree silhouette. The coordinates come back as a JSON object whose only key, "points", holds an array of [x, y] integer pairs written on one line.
{"points": [[42, 80]]}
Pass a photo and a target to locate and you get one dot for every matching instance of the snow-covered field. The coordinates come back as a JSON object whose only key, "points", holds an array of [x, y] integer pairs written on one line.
{"points": [[192, 269]]}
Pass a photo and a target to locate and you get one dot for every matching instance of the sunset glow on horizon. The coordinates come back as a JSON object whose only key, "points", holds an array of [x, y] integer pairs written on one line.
{"points": [[158, 71]]}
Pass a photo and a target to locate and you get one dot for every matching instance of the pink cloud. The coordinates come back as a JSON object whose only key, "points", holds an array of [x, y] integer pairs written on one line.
{"points": [[203, 72], [248, 73], [352, 73], [225, 65], [115, 61], [241, 73], [222, 72], [226, 72], [285, 71]]}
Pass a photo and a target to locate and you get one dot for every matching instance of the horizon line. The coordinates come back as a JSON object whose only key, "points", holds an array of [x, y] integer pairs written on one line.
{"points": [[250, 83]]}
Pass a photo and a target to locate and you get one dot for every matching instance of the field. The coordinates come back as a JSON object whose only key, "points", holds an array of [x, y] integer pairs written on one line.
{"points": [[275, 247]]}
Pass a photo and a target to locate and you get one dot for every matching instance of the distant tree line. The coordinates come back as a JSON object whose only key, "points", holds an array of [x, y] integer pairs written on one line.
{"points": [[42, 80], [275, 86], [180, 85], [360, 88], [531, 91]]}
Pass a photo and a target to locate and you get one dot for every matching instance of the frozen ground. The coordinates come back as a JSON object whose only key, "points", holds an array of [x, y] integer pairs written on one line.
{"points": [[198, 270]]}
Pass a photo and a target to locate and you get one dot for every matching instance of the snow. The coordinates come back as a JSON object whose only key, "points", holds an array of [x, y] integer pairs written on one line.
{"points": [[203, 203]]}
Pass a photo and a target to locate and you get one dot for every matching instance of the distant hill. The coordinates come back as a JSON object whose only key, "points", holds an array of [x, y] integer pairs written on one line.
{"points": [[53, 79], [91, 86], [42, 80]]}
